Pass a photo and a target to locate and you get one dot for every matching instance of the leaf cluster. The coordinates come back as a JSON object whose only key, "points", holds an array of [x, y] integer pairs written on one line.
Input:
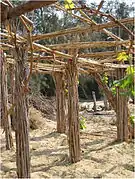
{"points": [[126, 83]]}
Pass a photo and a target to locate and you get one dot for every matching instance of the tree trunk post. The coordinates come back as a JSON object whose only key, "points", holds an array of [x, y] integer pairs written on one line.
{"points": [[4, 101], [22, 124], [122, 111], [60, 102], [94, 100], [73, 109]]}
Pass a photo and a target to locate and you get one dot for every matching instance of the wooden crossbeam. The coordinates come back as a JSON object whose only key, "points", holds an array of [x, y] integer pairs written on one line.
{"points": [[82, 45], [80, 29], [22, 9], [100, 54], [81, 61]]}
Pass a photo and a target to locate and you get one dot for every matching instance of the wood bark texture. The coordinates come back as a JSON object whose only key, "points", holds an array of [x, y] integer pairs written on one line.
{"points": [[60, 103], [22, 124], [6, 122], [12, 85], [122, 111], [73, 110]]}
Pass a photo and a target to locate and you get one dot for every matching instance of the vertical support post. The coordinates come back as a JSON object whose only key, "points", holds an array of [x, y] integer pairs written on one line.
{"points": [[107, 91], [106, 105], [22, 124], [60, 102], [94, 100], [12, 85], [73, 109], [122, 111], [4, 101]]}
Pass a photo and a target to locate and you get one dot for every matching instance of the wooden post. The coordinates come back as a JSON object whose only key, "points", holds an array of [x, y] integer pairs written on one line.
{"points": [[106, 105], [122, 111], [4, 101], [73, 110], [105, 88], [94, 100], [22, 124], [12, 85], [60, 102]]}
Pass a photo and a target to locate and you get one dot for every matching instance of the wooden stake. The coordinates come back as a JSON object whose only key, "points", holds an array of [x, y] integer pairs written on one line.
{"points": [[94, 100], [106, 105]]}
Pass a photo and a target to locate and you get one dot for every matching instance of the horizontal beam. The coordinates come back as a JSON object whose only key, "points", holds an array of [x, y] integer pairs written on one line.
{"points": [[82, 45], [24, 8], [81, 61], [100, 54], [80, 29]]}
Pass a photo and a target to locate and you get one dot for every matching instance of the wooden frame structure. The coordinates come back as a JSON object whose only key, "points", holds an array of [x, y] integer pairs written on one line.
{"points": [[59, 64]]}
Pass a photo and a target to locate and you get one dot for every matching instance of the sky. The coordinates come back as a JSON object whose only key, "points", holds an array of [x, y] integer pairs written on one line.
{"points": [[127, 1]]}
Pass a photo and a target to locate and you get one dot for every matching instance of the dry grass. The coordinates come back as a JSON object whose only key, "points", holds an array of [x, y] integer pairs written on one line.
{"points": [[35, 118]]}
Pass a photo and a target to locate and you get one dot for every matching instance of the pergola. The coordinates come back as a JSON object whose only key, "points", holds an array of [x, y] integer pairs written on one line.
{"points": [[24, 55]]}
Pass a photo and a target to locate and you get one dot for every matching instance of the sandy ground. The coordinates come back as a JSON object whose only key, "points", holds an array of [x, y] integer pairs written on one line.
{"points": [[101, 155]]}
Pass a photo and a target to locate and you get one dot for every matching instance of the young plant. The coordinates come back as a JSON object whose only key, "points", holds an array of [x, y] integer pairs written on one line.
{"points": [[83, 123]]}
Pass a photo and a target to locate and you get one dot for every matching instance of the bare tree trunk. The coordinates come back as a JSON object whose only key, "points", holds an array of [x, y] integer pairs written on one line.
{"points": [[22, 124], [4, 101], [73, 110], [60, 102], [94, 100]]}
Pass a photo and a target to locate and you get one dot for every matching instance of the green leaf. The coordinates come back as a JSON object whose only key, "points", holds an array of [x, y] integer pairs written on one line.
{"points": [[83, 123], [69, 4], [122, 56], [130, 70], [132, 119], [105, 78], [133, 92]]}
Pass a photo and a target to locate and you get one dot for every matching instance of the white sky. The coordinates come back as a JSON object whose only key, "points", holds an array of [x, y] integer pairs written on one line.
{"points": [[127, 1]]}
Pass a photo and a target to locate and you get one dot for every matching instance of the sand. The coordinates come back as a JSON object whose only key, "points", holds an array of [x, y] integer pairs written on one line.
{"points": [[101, 155]]}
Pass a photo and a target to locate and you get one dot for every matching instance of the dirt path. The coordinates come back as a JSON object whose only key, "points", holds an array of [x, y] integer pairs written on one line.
{"points": [[101, 155]]}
